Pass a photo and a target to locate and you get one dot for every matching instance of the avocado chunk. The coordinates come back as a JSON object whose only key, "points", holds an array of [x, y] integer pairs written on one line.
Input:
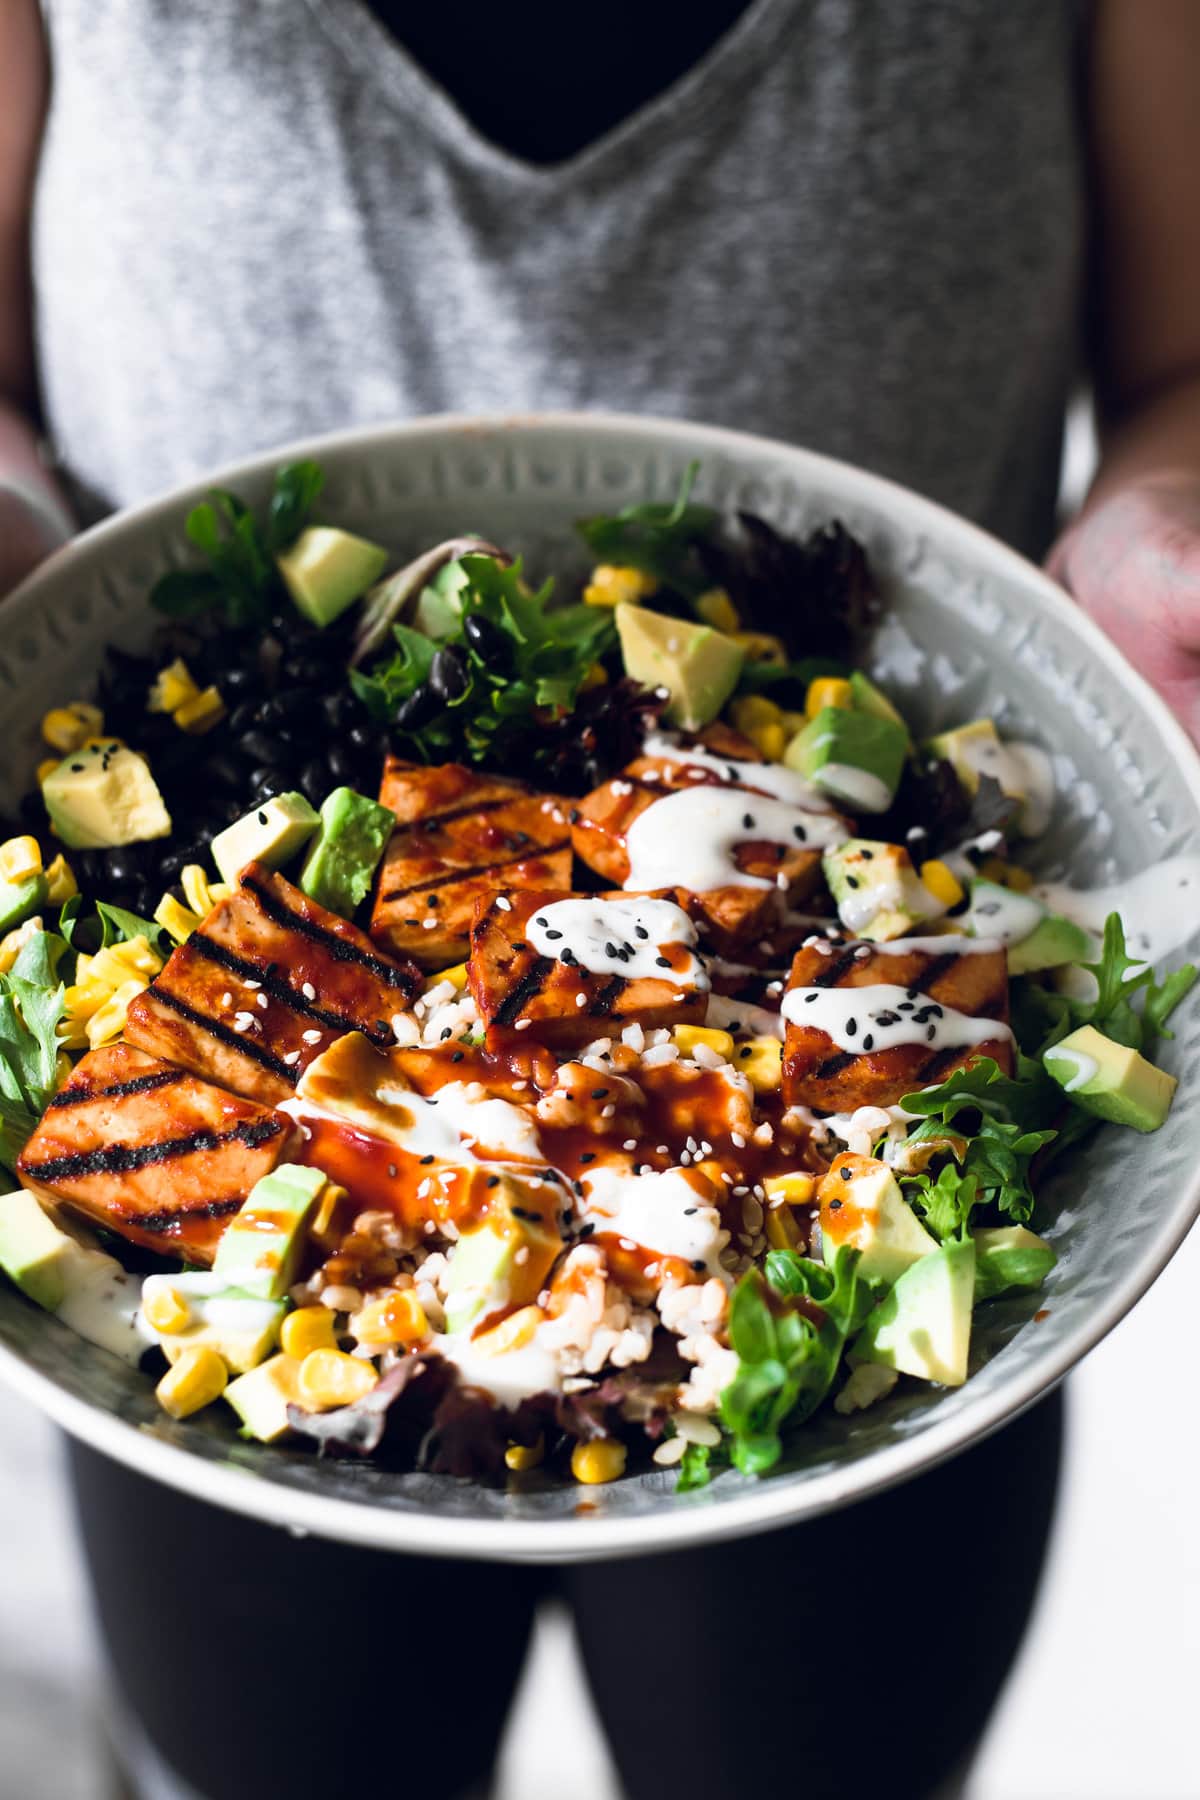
{"points": [[261, 1397], [973, 750], [103, 796], [85, 1288], [861, 1205], [260, 1247], [878, 892], [869, 699], [1035, 937], [698, 666], [923, 1326], [1009, 1256], [438, 612], [344, 855], [19, 900], [242, 1327], [327, 570], [854, 757], [271, 834], [485, 1273], [1111, 1080]]}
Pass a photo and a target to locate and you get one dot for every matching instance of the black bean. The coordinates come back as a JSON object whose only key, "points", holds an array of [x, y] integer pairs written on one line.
{"points": [[239, 683], [447, 677], [417, 710], [363, 738], [341, 710], [313, 779], [343, 764], [262, 747], [484, 637]]}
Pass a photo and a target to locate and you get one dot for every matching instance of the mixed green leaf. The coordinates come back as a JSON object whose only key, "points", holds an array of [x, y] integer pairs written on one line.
{"points": [[32, 1002], [241, 582]]}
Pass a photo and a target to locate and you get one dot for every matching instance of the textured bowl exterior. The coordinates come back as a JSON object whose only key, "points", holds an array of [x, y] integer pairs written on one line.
{"points": [[974, 630]]}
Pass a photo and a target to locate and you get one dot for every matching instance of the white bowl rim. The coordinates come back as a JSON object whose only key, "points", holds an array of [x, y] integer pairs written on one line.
{"points": [[764, 1504]]}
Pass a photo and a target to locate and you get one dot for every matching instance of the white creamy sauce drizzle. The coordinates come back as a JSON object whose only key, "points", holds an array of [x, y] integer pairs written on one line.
{"points": [[511, 1377], [861, 1130], [1159, 906], [949, 942], [450, 1125], [622, 937], [1035, 779], [1003, 914], [901, 891], [768, 778], [1084, 1067], [662, 1212], [858, 789], [727, 1015], [884, 1016], [103, 1303], [210, 1303], [687, 838]]}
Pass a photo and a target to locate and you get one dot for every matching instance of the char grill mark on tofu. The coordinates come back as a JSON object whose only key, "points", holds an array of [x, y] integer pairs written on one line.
{"points": [[560, 1003], [819, 1074], [263, 986], [152, 1151], [459, 834]]}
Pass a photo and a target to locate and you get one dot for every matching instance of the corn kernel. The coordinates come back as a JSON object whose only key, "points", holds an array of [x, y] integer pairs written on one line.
{"points": [[218, 891], [323, 1228], [781, 1228], [397, 1318], [307, 1329], [14, 941], [167, 1310], [751, 711], [200, 713], [796, 1189], [525, 1456], [177, 921], [761, 646], [596, 676], [196, 889], [689, 1036], [20, 859], [717, 609], [603, 1459], [613, 583], [827, 690], [108, 1021], [196, 1379], [770, 741], [1009, 875], [67, 728], [173, 687], [512, 1333], [330, 1378], [941, 881], [61, 884], [46, 769], [761, 1062], [456, 976], [136, 956]]}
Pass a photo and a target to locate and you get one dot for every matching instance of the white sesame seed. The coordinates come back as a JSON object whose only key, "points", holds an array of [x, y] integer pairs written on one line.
{"points": [[522, 1024], [244, 1021], [429, 924], [663, 1149], [629, 1144], [262, 1001], [522, 1256], [310, 1037], [736, 1138], [226, 999], [252, 985], [518, 1085], [581, 999], [308, 990], [503, 903], [782, 882], [292, 1058]]}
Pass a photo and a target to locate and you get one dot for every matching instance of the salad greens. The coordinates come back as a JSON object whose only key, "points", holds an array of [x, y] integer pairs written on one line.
{"points": [[241, 581], [32, 1005], [659, 538]]}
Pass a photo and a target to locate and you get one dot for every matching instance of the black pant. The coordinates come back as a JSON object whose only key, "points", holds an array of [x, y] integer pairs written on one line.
{"points": [[860, 1653]]}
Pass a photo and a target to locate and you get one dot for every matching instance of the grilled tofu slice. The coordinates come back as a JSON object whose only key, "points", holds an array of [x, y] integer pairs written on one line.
{"points": [[152, 1152], [460, 836], [561, 1003], [734, 916], [819, 1074], [266, 984]]}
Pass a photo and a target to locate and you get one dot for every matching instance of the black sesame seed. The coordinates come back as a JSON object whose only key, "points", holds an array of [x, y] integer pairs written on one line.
{"points": [[867, 855], [588, 1156], [689, 1210], [447, 1031], [868, 1042], [846, 1174], [851, 881], [493, 1181], [640, 931], [553, 935], [931, 1034], [574, 816], [599, 1093], [539, 921], [662, 962], [836, 1205], [697, 1262], [610, 950], [809, 998], [799, 832], [458, 1056], [851, 1027], [427, 1159], [748, 821], [262, 818]]}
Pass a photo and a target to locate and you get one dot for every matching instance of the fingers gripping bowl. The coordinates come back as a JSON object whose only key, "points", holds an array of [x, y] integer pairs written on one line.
{"points": [[969, 632]]}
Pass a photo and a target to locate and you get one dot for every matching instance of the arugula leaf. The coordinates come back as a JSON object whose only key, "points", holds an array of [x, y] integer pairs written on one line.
{"points": [[1041, 1017], [118, 926], [241, 582], [658, 538], [789, 1331], [32, 1003], [1005, 1120]]}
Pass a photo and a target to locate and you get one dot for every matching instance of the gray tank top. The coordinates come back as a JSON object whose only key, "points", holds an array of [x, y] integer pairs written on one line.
{"points": [[855, 224]]}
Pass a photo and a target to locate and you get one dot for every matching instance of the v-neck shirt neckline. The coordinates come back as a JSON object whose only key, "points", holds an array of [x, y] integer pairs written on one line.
{"points": [[725, 67]]}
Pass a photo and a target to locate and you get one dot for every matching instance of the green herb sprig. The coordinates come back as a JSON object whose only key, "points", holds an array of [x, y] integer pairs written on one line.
{"points": [[241, 582]]}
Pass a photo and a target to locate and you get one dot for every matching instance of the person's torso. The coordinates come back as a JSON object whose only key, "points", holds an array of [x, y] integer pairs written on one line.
{"points": [[855, 226]]}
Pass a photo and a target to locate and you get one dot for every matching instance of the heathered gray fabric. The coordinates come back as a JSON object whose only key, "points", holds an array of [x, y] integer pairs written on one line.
{"points": [[855, 225]]}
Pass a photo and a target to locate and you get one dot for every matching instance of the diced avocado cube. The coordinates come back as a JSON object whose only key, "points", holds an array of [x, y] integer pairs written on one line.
{"points": [[261, 1397], [260, 1246], [33, 1249], [327, 570], [271, 834], [345, 853], [438, 611], [976, 749], [88, 1290], [878, 892], [698, 666], [854, 757], [869, 699], [861, 1205], [243, 1328], [1009, 1256], [103, 796], [923, 1326], [19, 900], [1035, 937], [1110, 1079], [487, 1270]]}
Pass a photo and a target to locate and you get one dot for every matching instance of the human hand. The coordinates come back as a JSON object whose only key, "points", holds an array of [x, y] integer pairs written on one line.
{"points": [[28, 533], [1133, 563]]}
